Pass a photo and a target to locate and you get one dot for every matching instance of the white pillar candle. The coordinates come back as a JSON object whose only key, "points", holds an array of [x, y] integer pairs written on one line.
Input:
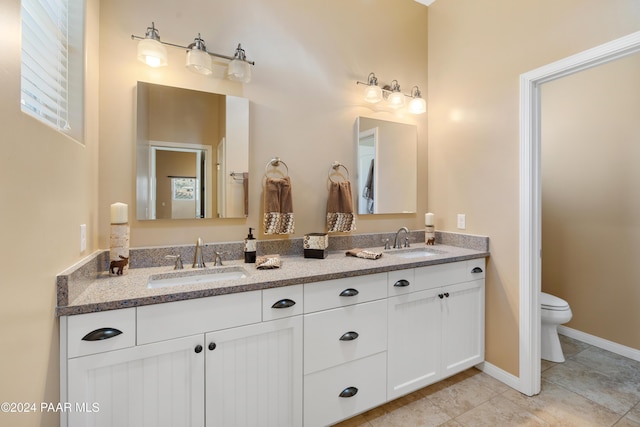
{"points": [[119, 213], [428, 219]]}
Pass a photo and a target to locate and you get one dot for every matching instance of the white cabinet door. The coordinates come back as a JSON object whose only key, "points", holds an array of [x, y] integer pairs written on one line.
{"points": [[462, 326], [254, 375], [160, 384], [414, 341]]}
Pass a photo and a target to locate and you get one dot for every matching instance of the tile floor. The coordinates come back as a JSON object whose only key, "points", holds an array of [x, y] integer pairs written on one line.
{"points": [[592, 388]]}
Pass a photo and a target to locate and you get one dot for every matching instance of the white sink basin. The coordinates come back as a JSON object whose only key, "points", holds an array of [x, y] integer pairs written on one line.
{"points": [[413, 252], [193, 277]]}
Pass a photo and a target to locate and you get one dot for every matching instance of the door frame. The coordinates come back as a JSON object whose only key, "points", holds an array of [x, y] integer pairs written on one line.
{"points": [[531, 197]]}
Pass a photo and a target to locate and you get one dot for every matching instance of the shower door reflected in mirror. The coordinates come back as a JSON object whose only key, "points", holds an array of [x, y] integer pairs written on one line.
{"points": [[387, 166], [192, 154]]}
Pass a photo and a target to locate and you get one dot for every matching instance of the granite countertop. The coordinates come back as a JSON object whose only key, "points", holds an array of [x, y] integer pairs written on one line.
{"points": [[103, 292]]}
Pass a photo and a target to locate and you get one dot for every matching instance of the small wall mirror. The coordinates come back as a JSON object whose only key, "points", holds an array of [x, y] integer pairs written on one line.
{"points": [[192, 154], [387, 166]]}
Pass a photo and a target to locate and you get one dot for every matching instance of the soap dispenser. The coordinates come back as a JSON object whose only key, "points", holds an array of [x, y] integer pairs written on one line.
{"points": [[250, 247]]}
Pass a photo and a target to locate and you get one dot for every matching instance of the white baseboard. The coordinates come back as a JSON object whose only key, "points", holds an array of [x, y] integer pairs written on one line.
{"points": [[500, 374], [611, 346]]}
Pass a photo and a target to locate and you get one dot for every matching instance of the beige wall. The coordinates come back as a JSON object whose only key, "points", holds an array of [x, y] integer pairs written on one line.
{"points": [[591, 198], [477, 51], [48, 187], [304, 100]]}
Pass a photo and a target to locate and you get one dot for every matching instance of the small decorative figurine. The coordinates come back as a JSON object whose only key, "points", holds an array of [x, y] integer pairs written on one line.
{"points": [[119, 265]]}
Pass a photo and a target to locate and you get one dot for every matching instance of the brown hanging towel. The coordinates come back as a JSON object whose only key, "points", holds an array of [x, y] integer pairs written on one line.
{"points": [[340, 216], [278, 206]]}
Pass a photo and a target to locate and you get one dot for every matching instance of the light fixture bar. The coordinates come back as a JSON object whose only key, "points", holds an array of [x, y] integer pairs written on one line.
{"points": [[218, 55], [417, 104], [388, 91]]}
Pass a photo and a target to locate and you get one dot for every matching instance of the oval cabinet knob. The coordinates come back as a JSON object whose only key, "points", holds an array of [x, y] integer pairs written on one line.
{"points": [[284, 303], [476, 270], [401, 283], [198, 349], [440, 296], [349, 336], [349, 392], [350, 292], [446, 294], [212, 346]]}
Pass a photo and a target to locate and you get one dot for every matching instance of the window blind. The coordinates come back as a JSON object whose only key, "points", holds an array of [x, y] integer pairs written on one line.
{"points": [[45, 61]]}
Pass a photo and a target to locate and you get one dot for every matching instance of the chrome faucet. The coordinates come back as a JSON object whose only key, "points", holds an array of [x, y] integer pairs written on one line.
{"points": [[396, 244], [198, 257]]}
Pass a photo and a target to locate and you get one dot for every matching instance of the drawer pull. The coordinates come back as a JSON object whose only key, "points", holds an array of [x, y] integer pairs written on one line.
{"points": [[284, 303], [350, 292], [476, 270], [198, 349], [102, 334], [212, 346], [349, 336], [440, 296], [349, 392], [446, 294], [402, 283]]}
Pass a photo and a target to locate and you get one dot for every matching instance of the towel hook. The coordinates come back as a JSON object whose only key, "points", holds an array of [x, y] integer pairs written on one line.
{"points": [[335, 166], [275, 162]]}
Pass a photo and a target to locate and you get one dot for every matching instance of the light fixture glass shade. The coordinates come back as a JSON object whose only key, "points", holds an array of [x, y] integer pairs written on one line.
{"points": [[152, 53], [396, 100], [373, 94], [199, 61], [417, 106], [239, 71]]}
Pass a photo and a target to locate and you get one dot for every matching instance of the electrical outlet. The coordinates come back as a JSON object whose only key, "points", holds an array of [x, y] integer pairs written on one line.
{"points": [[462, 221], [83, 237]]}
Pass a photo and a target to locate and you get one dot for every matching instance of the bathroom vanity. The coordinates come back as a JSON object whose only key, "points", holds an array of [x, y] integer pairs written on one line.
{"points": [[311, 343]]}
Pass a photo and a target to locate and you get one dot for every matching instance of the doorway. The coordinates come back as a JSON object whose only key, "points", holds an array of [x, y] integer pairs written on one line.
{"points": [[530, 194]]}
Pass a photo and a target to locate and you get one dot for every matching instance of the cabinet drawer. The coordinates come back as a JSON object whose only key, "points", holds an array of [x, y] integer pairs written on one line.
{"points": [[282, 302], [343, 334], [401, 282], [102, 331], [182, 318], [323, 404], [342, 292], [476, 269], [434, 276]]}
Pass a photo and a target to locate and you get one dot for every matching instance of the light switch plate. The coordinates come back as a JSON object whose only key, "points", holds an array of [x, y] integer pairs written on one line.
{"points": [[462, 221], [83, 237]]}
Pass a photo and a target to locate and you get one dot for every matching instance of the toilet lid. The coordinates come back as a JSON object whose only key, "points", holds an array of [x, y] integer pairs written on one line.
{"points": [[552, 302]]}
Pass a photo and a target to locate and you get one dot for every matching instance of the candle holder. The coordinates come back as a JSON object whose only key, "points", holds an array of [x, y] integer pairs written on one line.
{"points": [[429, 235], [119, 249]]}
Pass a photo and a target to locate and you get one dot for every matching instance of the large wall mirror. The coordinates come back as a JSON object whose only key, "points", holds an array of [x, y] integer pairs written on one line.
{"points": [[387, 166], [192, 154]]}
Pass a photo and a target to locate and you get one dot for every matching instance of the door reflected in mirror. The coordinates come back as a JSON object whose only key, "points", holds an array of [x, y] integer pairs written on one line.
{"points": [[192, 154], [387, 166]]}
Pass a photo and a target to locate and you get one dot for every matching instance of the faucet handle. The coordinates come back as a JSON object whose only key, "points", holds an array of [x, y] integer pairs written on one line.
{"points": [[406, 242], [386, 244], [217, 258], [178, 261]]}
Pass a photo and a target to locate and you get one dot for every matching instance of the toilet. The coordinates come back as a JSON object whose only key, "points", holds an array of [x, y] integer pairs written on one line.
{"points": [[554, 312]]}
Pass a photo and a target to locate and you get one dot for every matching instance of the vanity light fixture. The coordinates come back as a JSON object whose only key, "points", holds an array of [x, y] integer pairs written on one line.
{"points": [[239, 68], [150, 48], [373, 92], [152, 52], [395, 98], [417, 105], [198, 60]]}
